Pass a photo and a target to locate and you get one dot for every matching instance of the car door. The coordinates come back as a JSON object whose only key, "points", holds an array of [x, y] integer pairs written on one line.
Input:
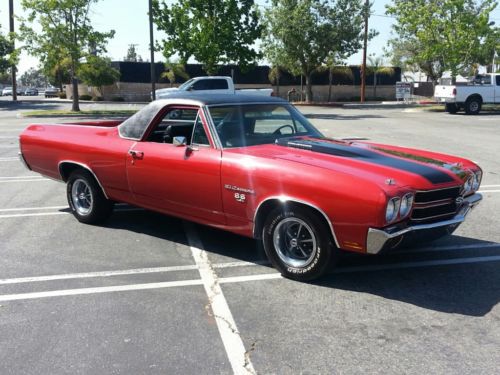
{"points": [[176, 168], [497, 89]]}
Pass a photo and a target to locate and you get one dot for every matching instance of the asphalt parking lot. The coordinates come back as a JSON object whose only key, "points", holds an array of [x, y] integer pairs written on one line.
{"points": [[151, 294]]}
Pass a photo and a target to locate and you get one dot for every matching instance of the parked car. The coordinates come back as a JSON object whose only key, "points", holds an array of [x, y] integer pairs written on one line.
{"points": [[31, 91], [210, 85], [51, 92], [255, 166], [483, 89], [7, 91]]}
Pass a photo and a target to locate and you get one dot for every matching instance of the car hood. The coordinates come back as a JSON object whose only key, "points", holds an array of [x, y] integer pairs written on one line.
{"points": [[377, 163]]}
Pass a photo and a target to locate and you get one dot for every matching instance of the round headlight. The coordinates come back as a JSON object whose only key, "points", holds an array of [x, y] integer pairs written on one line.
{"points": [[478, 175], [406, 204], [391, 212]]}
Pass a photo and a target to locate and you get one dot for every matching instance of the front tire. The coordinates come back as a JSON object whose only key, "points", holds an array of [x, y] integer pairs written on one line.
{"points": [[86, 199], [298, 243]]}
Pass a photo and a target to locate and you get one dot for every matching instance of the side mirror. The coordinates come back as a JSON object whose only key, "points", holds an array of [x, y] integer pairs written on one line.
{"points": [[179, 141]]}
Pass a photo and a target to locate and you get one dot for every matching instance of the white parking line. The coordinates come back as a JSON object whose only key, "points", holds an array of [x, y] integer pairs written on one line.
{"points": [[13, 158], [27, 180], [235, 350], [489, 186], [489, 191], [20, 177], [104, 289], [32, 209]]}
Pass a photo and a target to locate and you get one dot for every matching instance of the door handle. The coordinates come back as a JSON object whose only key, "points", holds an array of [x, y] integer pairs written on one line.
{"points": [[136, 154]]}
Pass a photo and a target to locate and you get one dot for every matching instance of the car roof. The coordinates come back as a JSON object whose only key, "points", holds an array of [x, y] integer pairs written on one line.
{"points": [[213, 99]]}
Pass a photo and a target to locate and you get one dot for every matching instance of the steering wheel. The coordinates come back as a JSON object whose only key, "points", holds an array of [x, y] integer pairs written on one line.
{"points": [[278, 131]]}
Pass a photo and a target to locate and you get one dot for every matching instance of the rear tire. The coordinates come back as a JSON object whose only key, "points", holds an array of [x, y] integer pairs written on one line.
{"points": [[473, 105], [451, 108], [298, 243], [86, 198]]}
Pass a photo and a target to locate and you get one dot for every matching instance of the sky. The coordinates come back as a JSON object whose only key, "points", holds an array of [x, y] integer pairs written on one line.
{"points": [[129, 18]]}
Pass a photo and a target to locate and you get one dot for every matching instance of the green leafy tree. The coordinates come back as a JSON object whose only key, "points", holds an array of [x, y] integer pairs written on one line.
{"points": [[64, 26], [213, 32], [274, 76], [174, 70], [132, 54], [7, 53], [33, 78], [442, 35], [301, 35], [98, 72], [376, 67], [333, 69]]}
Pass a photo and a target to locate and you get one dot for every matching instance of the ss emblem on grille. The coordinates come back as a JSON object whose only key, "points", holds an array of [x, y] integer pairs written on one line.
{"points": [[459, 200]]}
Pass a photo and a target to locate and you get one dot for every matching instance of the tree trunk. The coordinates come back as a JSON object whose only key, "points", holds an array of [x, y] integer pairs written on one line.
{"points": [[309, 92], [74, 81], [330, 80], [278, 85], [374, 85]]}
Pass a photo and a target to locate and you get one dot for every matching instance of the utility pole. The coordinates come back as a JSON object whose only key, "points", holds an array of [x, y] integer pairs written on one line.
{"points": [[365, 43], [152, 49], [13, 67]]}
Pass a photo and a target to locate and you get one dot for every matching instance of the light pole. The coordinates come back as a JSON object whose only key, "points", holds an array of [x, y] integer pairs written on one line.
{"points": [[13, 67], [365, 42], [152, 49]]}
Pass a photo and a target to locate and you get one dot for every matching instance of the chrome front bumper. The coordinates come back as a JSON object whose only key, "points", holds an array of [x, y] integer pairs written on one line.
{"points": [[377, 239]]}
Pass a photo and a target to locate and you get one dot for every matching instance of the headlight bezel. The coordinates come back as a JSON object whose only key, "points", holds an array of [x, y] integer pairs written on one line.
{"points": [[477, 177], [408, 200], [395, 203]]}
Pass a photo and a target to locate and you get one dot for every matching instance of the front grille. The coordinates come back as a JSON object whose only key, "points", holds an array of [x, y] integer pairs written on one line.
{"points": [[435, 205]]}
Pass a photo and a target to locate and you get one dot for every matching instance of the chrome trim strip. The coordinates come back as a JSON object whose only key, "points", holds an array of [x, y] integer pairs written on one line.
{"points": [[377, 238], [446, 188], [211, 128], [83, 166], [283, 199], [23, 160], [433, 217], [440, 202]]}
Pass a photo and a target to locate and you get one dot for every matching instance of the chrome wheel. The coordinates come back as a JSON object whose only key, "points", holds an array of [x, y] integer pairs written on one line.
{"points": [[295, 242], [81, 197]]}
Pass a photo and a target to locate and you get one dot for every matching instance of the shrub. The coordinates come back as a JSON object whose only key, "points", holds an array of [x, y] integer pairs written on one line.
{"points": [[85, 97], [117, 99], [97, 99], [61, 95]]}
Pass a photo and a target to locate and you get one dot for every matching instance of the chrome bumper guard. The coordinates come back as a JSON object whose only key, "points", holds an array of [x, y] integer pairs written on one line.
{"points": [[21, 157], [378, 238]]}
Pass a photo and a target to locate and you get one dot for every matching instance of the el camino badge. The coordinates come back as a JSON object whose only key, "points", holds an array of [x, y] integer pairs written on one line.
{"points": [[240, 193]]}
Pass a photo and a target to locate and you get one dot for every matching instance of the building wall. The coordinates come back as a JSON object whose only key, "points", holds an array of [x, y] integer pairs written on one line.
{"points": [[140, 92]]}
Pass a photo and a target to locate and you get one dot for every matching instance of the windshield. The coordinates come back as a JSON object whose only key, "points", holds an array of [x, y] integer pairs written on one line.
{"points": [[257, 124], [186, 84]]}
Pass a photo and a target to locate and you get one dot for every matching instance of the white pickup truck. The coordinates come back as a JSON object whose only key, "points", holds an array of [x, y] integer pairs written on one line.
{"points": [[212, 85], [483, 89]]}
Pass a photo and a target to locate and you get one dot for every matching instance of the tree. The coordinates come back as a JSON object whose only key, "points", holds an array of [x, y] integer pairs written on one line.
{"points": [[174, 70], [98, 72], [442, 35], [301, 35], [214, 32], [376, 67], [132, 54], [274, 76], [64, 27], [7, 53], [33, 78], [334, 70]]}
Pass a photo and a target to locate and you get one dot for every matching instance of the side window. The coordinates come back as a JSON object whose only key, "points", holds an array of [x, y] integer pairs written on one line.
{"points": [[217, 84], [200, 85], [498, 80], [199, 135], [176, 122]]}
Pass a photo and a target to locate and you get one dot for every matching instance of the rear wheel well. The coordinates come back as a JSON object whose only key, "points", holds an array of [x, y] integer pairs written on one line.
{"points": [[268, 206], [475, 96], [66, 169]]}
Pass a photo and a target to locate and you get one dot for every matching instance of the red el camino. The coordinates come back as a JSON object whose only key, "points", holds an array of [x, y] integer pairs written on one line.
{"points": [[255, 166]]}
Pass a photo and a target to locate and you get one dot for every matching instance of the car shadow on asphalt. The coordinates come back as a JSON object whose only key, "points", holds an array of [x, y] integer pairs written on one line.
{"points": [[471, 289], [332, 116], [27, 106]]}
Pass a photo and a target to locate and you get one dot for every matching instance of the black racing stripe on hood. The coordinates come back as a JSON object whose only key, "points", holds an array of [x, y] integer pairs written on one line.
{"points": [[432, 174]]}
